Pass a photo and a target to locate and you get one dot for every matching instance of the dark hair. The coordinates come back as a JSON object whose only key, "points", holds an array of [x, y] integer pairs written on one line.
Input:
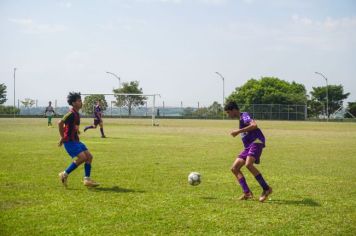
{"points": [[230, 106], [72, 97]]}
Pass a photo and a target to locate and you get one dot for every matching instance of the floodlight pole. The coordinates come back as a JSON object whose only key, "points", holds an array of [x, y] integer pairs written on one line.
{"points": [[117, 77], [14, 92], [327, 95], [223, 80]]}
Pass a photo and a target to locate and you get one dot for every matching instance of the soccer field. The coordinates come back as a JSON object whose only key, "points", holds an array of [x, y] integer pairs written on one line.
{"points": [[143, 174]]}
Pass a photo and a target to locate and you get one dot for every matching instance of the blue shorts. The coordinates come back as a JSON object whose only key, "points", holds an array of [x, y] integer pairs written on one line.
{"points": [[74, 148]]}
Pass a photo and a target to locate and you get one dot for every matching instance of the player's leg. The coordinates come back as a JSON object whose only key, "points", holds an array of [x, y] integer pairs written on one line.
{"points": [[254, 155], [81, 158], [236, 170], [87, 171], [49, 120], [91, 126], [102, 129]]}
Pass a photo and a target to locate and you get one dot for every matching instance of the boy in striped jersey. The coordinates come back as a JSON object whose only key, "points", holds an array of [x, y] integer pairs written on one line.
{"points": [[69, 130]]}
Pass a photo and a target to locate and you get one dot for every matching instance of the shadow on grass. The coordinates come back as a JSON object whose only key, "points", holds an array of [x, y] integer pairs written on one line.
{"points": [[303, 202], [115, 189]]}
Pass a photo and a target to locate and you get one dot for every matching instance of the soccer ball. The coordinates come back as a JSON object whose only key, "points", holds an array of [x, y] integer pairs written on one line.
{"points": [[194, 178]]}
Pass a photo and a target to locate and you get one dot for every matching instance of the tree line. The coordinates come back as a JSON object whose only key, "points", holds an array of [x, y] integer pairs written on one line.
{"points": [[266, 90]]}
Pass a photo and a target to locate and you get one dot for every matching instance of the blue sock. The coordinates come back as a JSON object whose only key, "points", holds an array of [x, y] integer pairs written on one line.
{"points": [[71, 167], [87, 169], [262, 182]]}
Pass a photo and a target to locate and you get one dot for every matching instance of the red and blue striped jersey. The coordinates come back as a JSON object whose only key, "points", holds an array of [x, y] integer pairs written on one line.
{"points": [[71, 125]]}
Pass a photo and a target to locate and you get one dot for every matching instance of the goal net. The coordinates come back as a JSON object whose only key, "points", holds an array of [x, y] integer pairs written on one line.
{"points": [[123, 105]]}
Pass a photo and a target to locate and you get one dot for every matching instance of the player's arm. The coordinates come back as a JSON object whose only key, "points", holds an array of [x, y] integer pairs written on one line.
{"points": [[250, 127], [66, 118], [61, 132]]}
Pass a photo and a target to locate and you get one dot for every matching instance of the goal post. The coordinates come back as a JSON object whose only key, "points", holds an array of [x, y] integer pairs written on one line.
{"points": [[152, 105]]}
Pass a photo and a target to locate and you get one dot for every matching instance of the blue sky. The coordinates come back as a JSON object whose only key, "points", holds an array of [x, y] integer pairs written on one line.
{"points": [[173, 47]]}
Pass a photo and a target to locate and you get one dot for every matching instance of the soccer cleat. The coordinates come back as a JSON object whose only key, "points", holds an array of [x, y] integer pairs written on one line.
{"points": [[63, 176], [90, 183], [85, 129], [246, 196], [103, 136], [265, 194]]}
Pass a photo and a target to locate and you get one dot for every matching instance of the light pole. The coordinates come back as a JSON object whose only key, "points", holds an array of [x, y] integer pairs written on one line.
{"points": [[14, 92], [117, 77], [327, 95], [223, 80]]}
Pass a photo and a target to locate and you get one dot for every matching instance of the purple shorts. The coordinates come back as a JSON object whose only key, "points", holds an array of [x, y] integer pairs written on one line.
{"points": [[96, 122], [254, 150]]}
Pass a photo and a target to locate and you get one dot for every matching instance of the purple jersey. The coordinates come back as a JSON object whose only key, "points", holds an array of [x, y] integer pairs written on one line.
{"points": [[97, 112], [254, 136]]}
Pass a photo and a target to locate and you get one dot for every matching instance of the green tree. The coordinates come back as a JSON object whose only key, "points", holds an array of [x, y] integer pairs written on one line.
{"points": [[90, 102], [214, 110], [269, 90], [201, 112], [336, 96], [188, 111], [130, 101], [28, 102], [2, 94], [9, 110], [352, 109]]}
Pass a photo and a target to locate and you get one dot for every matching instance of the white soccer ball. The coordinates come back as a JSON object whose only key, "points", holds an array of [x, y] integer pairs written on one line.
{"points": [[194, 178]]}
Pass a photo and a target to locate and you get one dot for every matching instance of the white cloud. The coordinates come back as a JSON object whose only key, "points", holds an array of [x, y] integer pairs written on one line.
{"points": [[65, 4], [249, 1], [30, 26], [123, 24], [207, 2], [214, 2]]}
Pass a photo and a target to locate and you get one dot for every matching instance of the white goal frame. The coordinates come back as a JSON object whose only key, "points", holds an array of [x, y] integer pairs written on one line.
{"points": [[154, 123]]}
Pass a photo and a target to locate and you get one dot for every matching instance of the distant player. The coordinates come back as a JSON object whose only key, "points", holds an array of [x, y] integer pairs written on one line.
{"points": [[49, 113], [97, 120], [69, 130], [254, 142]]}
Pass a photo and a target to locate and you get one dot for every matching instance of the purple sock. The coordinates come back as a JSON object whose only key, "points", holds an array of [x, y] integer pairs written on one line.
{"points": [[102, 131], [262, 182], [244, 185], [88, 127]]}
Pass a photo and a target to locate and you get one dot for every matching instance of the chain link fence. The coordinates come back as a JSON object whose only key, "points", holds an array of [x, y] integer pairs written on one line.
{"points": [[257, 111]]}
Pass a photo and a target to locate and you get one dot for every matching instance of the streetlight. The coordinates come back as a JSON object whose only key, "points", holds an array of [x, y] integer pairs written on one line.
{"points": [[327, 95], [14, 92], [223, 80], [117, 77]]}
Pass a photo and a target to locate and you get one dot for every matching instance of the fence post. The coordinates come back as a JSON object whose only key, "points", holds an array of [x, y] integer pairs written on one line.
{"points": [[288, 111], [296, 112], [305, 112]]}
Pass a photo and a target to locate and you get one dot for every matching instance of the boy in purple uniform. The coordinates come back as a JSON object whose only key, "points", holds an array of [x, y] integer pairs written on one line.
{"points": [[254, 142], [68, 130], [97, 120]]}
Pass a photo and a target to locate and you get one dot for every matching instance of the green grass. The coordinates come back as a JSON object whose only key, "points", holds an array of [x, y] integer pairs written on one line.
{"points": [[143, 171]]}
